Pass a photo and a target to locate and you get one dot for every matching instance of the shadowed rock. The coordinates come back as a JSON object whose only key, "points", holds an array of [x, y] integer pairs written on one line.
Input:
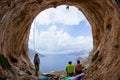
{"points": [[16, 17]]}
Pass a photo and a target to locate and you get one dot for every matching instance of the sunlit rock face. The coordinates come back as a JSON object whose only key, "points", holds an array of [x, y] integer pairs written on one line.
{"points": [[16, 17]]}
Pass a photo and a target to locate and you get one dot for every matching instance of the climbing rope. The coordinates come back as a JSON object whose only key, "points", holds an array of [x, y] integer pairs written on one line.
{"points": [[34, 34], [67, 6]]}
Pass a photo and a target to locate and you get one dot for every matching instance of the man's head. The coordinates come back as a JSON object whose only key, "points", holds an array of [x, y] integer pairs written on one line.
{"points": [[78, 61], [36, 54], [70, 62]]}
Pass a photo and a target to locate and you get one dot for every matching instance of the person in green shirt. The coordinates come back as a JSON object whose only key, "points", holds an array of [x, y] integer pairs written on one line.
{"points": [[70, 69]]}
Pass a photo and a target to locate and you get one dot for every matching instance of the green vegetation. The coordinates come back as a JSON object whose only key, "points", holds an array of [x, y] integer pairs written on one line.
{"points": [[4, 62]]}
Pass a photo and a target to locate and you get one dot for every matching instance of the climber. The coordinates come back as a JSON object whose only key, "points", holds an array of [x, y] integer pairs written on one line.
{"points": [[36, 63], [67, 8], [78, 68], [70, 69]]}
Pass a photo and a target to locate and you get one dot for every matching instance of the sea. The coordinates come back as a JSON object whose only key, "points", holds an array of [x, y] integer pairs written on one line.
{"points": [[56, 62], [51, 63]]}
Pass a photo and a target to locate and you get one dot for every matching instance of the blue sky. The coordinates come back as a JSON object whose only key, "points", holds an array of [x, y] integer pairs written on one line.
{"points": [[58, 30]]}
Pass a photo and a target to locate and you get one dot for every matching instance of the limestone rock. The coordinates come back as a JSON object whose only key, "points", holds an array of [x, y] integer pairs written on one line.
{"points": [[16, 17]]}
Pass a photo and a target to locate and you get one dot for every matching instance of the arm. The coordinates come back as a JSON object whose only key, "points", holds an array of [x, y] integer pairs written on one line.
{"points": [[66, 69], [38, 60]]}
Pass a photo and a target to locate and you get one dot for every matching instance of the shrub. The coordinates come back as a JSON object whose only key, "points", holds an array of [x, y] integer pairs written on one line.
{"points": [[4, 62]]}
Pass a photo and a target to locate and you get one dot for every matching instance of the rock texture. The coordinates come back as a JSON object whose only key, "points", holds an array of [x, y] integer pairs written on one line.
{"points": [[16, 17]]}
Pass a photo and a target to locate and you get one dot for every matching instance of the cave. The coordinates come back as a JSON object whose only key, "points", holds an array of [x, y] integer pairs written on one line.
{"points": [[16, 17]]}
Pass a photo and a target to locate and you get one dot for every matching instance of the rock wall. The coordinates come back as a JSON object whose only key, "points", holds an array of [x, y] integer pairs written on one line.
{"points": [[16, 17]]}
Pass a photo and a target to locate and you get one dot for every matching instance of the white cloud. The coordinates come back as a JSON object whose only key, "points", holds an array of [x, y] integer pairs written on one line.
{"points": [[53, 15], [54, 40], [57, 41]]}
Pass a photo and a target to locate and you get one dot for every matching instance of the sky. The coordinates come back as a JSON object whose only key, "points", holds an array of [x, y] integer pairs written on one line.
{"points": [[60, 31]]}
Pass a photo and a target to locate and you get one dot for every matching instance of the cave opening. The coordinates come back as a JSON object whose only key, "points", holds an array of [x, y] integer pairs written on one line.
{"points": [[60, 31], [104, 15]]}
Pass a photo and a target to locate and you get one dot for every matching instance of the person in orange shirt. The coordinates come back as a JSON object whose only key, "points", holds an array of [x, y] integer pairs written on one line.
{"points": [[78, 68]]}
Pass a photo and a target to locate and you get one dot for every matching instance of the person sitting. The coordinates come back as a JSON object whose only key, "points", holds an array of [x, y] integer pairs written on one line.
{"points": [[70, 69], [78, 68]]}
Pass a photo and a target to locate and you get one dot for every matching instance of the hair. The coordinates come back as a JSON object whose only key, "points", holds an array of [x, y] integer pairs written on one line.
{"points": [[70, 62], [78, 61], [36, 55]]}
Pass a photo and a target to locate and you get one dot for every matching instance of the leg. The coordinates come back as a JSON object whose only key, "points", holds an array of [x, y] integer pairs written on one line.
{"points": [[36, 69]]}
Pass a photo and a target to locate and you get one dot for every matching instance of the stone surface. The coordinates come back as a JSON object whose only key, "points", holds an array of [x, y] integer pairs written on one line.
{"points": [[16, 17]]}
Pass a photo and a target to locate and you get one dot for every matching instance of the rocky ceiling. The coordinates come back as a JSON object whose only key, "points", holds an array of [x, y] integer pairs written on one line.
{"points": [[16, 17]]}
